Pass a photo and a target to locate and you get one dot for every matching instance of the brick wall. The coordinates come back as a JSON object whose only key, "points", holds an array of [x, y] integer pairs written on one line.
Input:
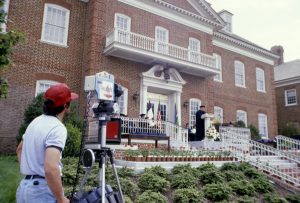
{"points": [[287, 114]]}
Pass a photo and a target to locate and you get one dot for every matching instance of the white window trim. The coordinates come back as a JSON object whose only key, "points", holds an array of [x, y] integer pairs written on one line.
{"points": [[245, 115], [220, 64], [264, 80], [64, 44], [38, 82], [221, 110], [286, 98], [266, 120], [244, 77], [122, 16], [156, 40], [191, 39], [190, 108]]}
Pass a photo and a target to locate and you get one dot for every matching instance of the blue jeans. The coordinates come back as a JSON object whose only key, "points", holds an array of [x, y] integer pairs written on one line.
{"points": [[34, 191]]}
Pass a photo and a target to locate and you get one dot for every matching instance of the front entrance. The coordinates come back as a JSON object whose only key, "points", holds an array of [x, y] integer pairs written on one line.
{"points": [[155, 100]]}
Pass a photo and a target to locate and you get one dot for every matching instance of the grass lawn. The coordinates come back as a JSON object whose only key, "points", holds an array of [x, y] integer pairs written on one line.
{"points": [[10, 178]]}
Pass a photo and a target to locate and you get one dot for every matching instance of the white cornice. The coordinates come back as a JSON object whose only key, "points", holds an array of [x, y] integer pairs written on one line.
{"points": [[211, 11], [289, 81], [230, 47], [200, 22], [245, 45]]}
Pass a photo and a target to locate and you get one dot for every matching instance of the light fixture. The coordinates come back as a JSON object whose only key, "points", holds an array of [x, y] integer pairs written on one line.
{"points": [[185, 105], [135, 96]]}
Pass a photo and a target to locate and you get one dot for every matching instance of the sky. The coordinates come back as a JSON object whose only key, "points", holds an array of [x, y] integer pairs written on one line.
{"points": [[266, 22]]}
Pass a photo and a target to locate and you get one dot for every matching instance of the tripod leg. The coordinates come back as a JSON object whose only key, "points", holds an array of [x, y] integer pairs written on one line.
{"points": [[102, 178], [80, 192], [110, 154]]}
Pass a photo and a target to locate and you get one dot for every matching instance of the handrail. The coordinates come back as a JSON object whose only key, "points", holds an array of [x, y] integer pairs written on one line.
{"points": [[150, 44], [287, 144]]}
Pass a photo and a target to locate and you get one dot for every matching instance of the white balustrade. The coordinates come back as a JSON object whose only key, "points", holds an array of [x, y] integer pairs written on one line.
{"points": [[149, 44], [288, 144]]}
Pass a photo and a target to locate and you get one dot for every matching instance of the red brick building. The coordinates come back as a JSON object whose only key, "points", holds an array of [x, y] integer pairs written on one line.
{"points": [[176, 53]]}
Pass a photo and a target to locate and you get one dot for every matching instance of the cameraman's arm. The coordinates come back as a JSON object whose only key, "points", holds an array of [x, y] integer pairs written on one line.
{"points": [[52, 173], [19, 151]]}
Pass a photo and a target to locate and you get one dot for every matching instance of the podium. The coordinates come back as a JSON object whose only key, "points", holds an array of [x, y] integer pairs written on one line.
{"points": [[208, 117]]}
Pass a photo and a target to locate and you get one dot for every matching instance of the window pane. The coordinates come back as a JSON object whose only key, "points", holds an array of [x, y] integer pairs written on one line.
{"points": [[194, 104], [291, 97], [239, 73], [262, 125]]}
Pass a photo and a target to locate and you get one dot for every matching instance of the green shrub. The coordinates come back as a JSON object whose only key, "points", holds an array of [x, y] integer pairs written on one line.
{"points": [[273, 198], [183, 168], [125, 172], [293, 198], [289, 130], [240, 124], [69, 170], [188, 195], [211, 176], [33, 110], [262, 185], [155, 183], [128, 187], [254, 132], [151, 197], [183, 180], [127, 199], [242, 187], [157, 170], [229, 167], [233, 175], [244, 165], [253, 173], [73, 116], [206, 167], [247, 199], [72, 147], [217, 192]]}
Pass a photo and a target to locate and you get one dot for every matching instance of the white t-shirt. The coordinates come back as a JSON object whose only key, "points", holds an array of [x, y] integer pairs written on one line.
{"points": [[44, 131]]}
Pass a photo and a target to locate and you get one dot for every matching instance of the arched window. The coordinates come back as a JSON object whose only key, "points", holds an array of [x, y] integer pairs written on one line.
{"points": [[241, 116], [194, 107], [263, 125], [161, 40], [194, 50], [55, 24], [260, 80], [43, 85]]}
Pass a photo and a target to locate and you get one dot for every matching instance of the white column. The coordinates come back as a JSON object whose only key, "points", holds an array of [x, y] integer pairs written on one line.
{"points": [[178, 106], [143, 99]]}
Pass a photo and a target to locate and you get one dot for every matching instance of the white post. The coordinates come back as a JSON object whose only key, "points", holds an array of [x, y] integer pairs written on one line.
{"points": [[143, 99], [178, 106]]}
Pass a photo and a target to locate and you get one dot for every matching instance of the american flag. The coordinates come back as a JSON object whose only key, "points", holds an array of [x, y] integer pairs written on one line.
{"points": [[158, 116]]}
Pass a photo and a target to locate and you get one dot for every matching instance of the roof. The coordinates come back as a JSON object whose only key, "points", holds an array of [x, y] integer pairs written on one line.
{"points": [[287, 70]]}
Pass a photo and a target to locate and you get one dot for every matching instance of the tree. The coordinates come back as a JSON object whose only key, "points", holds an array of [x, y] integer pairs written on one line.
{"points": [[7, 41]]}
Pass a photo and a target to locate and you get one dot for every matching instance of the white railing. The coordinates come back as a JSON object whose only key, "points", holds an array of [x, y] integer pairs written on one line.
{"points": [[276, 162], [178, 135], [288, 144], [149, 44]]}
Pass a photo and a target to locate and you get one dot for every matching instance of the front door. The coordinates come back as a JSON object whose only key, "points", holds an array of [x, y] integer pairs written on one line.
{"points": [[153, 102]]}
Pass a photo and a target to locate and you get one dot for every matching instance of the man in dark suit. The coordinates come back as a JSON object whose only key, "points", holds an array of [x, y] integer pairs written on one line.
{"points": [[200, 124]]}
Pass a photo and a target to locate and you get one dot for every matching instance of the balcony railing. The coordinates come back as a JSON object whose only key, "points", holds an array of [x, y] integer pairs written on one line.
{"points": [[149, 44]]}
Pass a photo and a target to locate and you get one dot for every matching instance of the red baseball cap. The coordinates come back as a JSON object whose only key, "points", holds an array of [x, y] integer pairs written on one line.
{"points": [[60, 94]]}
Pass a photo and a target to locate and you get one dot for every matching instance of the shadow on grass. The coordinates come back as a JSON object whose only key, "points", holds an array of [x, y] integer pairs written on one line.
{"points": [[10, 178]]}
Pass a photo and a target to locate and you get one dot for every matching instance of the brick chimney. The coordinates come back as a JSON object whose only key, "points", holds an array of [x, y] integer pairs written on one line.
{"points": [[278, 50]]}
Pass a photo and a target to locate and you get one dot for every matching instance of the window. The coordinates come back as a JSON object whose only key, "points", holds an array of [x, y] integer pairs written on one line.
{"points": [[43, 85], [123, 24], [4, 9], [194, 50], [263, 125], [218, 113], [290, 97], [55, 25], [123, 101], [260, 80], [161, 40], [239, 74], [241, 116], [194, 106], [218, 77]]}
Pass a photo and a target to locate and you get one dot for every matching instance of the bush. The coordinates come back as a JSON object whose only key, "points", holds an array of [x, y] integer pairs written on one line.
{"points": [[289, 130], [127, 199], [125, 172], [254, 132], [240, 124], [244, 165], [128, 187], [262, 185], [213, 176], [183, 180], [242, 187], [247, 199], [252, 173], [151, 197], [206, 167], [216, 192], [183, 168], [152, 182], [233, 175], [188, 195], [157, 170], [293, 198], [33, 110], [72, 147], [229, 167], [273, 198]]}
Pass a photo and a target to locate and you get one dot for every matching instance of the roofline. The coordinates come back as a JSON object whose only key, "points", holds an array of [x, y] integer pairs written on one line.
{"points": [[245, 44], [287, 81]]}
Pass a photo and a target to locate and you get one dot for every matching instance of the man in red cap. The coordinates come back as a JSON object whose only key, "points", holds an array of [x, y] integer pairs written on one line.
{"points": [[39, 152]]}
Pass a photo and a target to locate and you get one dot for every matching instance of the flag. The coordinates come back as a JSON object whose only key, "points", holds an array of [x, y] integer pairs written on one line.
{"points": [[150, 111], [176, 116], [158, 116]]}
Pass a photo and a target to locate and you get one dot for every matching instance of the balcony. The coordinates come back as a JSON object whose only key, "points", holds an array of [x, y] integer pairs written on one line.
{"points": [[143, 49]]}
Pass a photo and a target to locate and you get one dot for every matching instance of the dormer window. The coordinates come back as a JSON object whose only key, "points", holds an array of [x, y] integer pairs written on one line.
{"points": [[227, 17]]}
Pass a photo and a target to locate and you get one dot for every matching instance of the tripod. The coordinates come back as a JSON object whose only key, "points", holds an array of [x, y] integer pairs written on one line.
{"points": [[99, 155]]}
